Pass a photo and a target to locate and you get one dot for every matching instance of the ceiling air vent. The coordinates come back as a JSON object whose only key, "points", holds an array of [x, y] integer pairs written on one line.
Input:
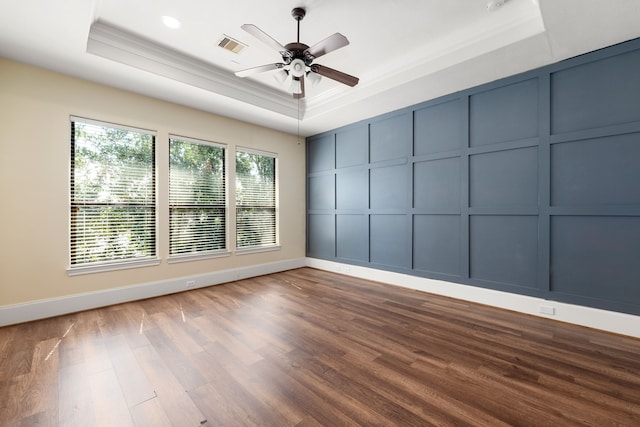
{"points": [[230, 44]]}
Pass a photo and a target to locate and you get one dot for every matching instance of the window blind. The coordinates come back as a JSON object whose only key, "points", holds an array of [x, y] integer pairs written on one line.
{"points": [[113, 211], [197, 197], [255, 199]]}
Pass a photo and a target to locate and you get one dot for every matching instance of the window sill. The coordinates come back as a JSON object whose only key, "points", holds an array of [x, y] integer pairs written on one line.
{"points": [[197, 256], [100, 268], [257, 249]]}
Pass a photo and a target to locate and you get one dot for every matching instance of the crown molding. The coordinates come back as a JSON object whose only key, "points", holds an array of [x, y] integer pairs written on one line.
{"points": [[119, 45], [111, 42]]}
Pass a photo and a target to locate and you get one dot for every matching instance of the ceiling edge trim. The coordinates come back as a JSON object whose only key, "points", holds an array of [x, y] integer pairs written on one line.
{"points": [[437, 60], [116, 44]]}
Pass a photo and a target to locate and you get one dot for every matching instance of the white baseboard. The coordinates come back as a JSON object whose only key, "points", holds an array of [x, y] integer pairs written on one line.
{"points": [[619, 323], [18, 313]]}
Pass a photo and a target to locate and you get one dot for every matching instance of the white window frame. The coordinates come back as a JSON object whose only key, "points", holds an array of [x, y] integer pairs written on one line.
{"points": [[271, 246], [116, 264], [217, 253]]}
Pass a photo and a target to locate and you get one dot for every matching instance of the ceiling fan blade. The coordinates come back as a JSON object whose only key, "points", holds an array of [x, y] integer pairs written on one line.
{"points": [[260, 69], [301, 94], [331, 43], [263, 37], [336, 75]]}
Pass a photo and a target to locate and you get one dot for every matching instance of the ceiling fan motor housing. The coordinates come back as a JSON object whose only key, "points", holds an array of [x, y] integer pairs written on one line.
{"points": [[297, 51]]}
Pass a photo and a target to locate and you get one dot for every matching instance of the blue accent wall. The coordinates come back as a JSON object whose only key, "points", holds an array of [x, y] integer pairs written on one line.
{"points": [[529, 185]]}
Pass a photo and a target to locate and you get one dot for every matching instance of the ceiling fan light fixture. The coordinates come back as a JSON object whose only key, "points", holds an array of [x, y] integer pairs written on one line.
{"points": [[296, 87], [281, 75], [314, 78], [298, 58], [298, 68]]}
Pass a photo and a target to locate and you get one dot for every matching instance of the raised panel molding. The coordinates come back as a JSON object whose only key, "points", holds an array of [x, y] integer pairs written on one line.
{"points": [[596, 172], [321, 153], [349, 194], [505, 113], [596, 93], [388, 187], [389, 240], [322, 229], [436, 186], [503, 249], [437, 129], [504, 178], [390, 138], [436, 244], [352, 237], [321, 192], [352, 147], [614, 240]]}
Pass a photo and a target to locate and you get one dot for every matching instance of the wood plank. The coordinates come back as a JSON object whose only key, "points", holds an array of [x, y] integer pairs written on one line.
{"points": [[173, 398], [40, 419], [295, 394], [172, 357], [75, 401], [312, 348], [150, 414], [242, 386], [135, 386], [109, 403], [217, 333], [37, 391]]}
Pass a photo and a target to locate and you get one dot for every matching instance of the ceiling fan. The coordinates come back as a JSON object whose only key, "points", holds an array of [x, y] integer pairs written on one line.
{"points": [[297, 58]]}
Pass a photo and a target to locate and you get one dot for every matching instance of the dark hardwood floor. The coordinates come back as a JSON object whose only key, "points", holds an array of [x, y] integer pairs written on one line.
{"points": [[311, 348]]}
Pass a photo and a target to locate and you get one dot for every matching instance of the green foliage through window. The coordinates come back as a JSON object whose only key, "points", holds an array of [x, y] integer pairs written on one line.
{"points": [[255, 199], [197, 199]]}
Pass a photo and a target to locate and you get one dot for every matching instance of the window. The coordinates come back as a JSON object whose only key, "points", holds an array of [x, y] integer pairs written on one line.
{"points": [[113, 197], [255, 199], [197, 199]]}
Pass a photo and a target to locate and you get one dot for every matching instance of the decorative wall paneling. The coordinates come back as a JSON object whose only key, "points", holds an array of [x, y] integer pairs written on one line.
{"points": [[530, 185]]}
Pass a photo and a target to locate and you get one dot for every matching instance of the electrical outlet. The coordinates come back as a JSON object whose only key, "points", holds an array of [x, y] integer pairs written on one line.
{"points": [[191, 283], [545, 309]]}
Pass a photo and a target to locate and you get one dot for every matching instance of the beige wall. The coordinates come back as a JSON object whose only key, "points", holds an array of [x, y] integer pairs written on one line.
{"points": [[35, 106]]}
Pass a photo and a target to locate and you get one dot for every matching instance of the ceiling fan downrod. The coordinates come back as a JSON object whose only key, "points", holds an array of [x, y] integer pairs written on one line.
{"points": [[298, 13]]}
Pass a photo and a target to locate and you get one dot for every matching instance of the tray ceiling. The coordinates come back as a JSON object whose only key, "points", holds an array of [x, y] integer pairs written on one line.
{"points": [[403, 51]]}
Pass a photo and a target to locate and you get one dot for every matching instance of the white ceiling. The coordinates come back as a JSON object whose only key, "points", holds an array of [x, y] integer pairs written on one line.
{"points": [[403, 51]]}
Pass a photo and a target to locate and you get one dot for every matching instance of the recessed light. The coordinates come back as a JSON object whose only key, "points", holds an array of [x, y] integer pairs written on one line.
{"points": [[171, 22]]}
